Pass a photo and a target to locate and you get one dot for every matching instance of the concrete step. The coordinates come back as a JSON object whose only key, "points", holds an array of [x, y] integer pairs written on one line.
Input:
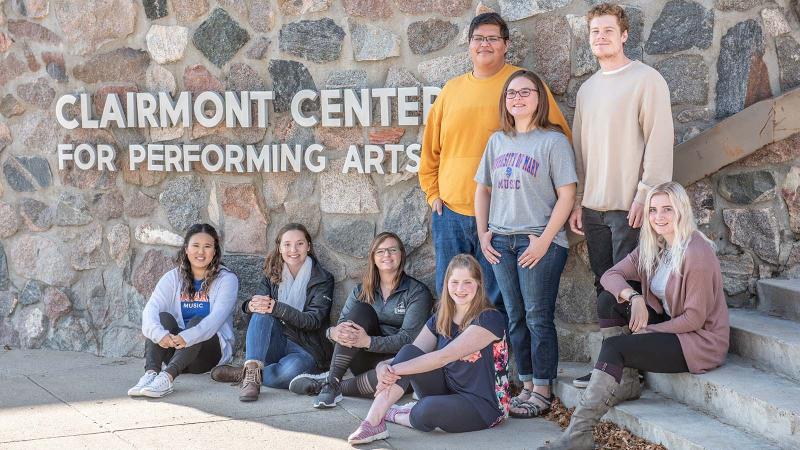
{"points": [[741, 395], [773, 344], [780, 298], [664, 421]]}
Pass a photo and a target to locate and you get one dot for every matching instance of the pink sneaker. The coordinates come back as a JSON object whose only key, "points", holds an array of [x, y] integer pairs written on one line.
{"points": [[394, 410], [366, 433]]}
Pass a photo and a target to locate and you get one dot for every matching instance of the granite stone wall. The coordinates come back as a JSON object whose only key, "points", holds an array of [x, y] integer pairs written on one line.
{"points": [[80, 251]]}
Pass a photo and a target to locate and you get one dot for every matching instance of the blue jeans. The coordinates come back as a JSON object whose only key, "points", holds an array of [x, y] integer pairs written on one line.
{"points": [[530, 297], [453, 234], [283, 359]]}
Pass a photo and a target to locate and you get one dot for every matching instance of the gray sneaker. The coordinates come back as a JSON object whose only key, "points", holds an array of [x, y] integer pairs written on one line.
{"points": [[159, 387], [329, 396], [307, 383]]}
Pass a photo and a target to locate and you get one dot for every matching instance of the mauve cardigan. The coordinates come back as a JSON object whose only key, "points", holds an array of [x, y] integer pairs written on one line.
{"points": [[695, 297]]}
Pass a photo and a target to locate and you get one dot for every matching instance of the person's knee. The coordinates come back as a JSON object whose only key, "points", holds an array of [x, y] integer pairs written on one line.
{"points": [[407, 352], [362, 314], [258, 319], [194, 321], [540, 317], [605, 305], [167, 320]]}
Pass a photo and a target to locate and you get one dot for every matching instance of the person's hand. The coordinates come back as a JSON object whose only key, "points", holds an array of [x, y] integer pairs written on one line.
{"points": [[178, 342], [335, 334], [535, 251], [489, 252], [166, 342], [385, 372], [357, 335], [353, 335], [638, 314], [262, 304], [636, 215], [436, 205], [576, 221]]}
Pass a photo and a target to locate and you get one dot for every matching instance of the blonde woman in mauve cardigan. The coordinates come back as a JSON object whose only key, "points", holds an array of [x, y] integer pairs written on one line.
{"points": [[679, 321]]}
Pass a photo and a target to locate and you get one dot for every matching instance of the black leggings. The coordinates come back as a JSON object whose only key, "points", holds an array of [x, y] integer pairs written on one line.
{"points": [[612, 313], [651, 352], [438, 406], [198, 358], [359, 360]]}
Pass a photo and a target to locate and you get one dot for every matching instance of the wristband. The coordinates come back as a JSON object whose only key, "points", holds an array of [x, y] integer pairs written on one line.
{"points": [[328, 334], [633, 294]]}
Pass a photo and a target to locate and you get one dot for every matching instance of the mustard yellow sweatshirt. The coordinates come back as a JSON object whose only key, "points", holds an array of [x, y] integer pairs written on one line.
{"points": [[459, 124]]}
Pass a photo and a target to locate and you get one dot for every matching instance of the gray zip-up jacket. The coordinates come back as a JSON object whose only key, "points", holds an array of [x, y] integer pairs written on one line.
{"points": [[401, 316]]}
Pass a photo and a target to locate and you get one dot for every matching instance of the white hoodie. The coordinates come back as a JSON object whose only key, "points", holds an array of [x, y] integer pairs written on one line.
{"points": [[222, 299]]}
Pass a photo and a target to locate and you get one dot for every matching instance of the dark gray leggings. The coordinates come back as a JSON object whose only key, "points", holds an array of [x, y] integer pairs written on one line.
{"points": [[438, 406], [198, 358]]}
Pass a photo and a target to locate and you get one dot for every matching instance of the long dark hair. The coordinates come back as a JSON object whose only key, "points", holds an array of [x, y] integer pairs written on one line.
{"points": [[541, 118], [273, 265], [372, 278], [185, 269]]}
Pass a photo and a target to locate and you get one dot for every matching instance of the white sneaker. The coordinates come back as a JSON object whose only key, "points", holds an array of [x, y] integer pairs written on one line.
{"points": [[146, 379], [159, 387]]}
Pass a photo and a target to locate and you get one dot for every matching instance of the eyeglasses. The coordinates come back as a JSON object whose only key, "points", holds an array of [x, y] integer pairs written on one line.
{"points": [[478, 39], [511, 93], [383, 251]]}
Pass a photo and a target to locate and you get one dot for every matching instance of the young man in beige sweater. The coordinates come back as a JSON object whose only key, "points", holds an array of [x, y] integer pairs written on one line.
{"points": [[622, 136]]}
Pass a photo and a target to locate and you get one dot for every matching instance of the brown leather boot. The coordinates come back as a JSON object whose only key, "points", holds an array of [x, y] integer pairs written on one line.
{"points": [[251, 381], [227, 373]]}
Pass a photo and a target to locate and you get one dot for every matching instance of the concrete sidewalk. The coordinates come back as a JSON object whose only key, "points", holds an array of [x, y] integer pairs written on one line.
{"points": [[64, 400]]}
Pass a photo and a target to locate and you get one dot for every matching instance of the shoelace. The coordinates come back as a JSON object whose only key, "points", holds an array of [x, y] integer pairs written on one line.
{"points": [[250, 376]]}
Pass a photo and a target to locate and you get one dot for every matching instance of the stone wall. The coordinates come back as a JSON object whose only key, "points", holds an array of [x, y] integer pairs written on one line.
{"points": [[82, 250]]}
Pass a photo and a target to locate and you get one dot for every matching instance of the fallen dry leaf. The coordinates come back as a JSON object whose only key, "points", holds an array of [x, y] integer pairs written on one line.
{"points": [[607, 436]]}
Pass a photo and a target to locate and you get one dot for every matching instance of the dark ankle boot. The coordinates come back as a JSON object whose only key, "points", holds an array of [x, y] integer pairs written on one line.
{"points": [[227, 373], [597, 399]]}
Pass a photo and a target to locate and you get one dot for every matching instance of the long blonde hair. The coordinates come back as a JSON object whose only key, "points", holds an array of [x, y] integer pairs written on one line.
{"points": [[447, 307], [652, 246]]}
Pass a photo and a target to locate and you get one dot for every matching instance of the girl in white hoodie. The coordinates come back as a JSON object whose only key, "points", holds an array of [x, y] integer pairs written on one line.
{"points": [[188, 321]]}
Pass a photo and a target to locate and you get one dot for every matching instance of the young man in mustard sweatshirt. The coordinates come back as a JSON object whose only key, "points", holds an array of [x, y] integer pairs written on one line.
{"points": [[459, 124], [623, 138]]}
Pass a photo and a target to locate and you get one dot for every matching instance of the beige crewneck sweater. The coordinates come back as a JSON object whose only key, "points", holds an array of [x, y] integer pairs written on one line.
{"points": [[622, 136]]}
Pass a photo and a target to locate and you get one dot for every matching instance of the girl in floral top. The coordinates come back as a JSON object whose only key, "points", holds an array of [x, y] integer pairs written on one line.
{"points": [[457, 363]]}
